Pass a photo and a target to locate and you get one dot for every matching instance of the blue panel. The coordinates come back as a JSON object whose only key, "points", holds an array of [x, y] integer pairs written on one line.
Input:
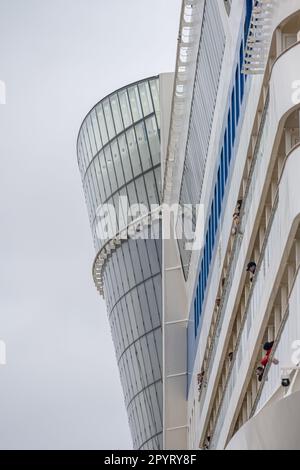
{"points": [[213, 223], [242, 76], [197, 307], [249, 7], [219, 191], [195, 319], [229, 137], [237, 95], [226, 154], [233, 123], [202, 283], [209, 244], [216, 209], [223, 166]]}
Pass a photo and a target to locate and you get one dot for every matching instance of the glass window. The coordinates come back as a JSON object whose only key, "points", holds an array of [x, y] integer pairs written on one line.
{"points": [[157, 307], [87, 145], [109, 119], [151, 188], [135, 370], [123, 216], [116, 113], [117, 163], [145, 307], [134, 154], [145, 98], [129, 266], [132, 319], [154, 86], [91, 192], [91, 135], [158, 244], [157, 172], [138, 313], [154, 357], [154, 140], [123, 330], [110, 169], [99, 178], [89, 198], [102, 124], [80, 157], [95, 184], [144, 259], [141, 192], [143, 145], [125, 158], [158, 344], [96, 129], [123, 270], [114, 200], [158, 402], [135, 104], [104, 175], [132, 196], [146, 351], [153, 258], [125, 108], [136, 260]]}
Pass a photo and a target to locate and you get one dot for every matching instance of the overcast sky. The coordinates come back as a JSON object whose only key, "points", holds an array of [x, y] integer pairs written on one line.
{"points": [[60, 388]]}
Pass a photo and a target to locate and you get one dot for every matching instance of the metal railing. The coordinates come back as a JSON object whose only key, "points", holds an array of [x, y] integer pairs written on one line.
{"points": [[257, 290], [254, 170]]}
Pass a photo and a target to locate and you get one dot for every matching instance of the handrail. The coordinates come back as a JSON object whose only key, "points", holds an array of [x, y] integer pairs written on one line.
{"points": [[233, 258], [266, 239], [185, 62], [245, 317], [237, 241]]}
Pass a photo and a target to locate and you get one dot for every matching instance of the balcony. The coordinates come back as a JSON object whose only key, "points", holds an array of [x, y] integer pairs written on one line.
{"points": [[277, 136]]}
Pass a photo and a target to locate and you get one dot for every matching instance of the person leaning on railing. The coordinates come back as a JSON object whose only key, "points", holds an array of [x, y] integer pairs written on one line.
{"points": [[236, 217], [265, 360]]}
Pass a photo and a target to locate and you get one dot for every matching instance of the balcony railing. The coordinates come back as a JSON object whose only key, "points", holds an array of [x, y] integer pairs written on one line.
{"points": [[255, 296], [283, 351], [252, 179]]}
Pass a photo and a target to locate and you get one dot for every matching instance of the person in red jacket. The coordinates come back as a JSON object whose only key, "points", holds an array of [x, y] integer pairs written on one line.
{"points": [[268, 348], [265, 360]]}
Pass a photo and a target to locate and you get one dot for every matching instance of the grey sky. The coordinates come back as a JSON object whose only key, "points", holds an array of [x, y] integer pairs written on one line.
{"points": [[60, 388]]}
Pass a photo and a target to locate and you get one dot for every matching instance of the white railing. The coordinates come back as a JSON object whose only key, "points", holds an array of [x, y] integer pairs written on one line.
{"points": [[255, 171], [283, 351], [264, 270], [188, 41]]}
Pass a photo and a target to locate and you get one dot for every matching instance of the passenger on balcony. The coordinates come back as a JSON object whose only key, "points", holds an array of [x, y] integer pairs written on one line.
{"points": [[260, 372], [251, 268], [200, 380], [265, 360], [268, 348], [236, 218], [207, 443]]}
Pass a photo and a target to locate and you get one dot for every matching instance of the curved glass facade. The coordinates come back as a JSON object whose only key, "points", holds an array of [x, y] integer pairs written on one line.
{"points": [[132, 287], [119, 155], [119, 150]]}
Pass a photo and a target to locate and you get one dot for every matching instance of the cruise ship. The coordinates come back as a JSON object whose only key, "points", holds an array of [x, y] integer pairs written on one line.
{"points": [[207, 337], [233, 307]]}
